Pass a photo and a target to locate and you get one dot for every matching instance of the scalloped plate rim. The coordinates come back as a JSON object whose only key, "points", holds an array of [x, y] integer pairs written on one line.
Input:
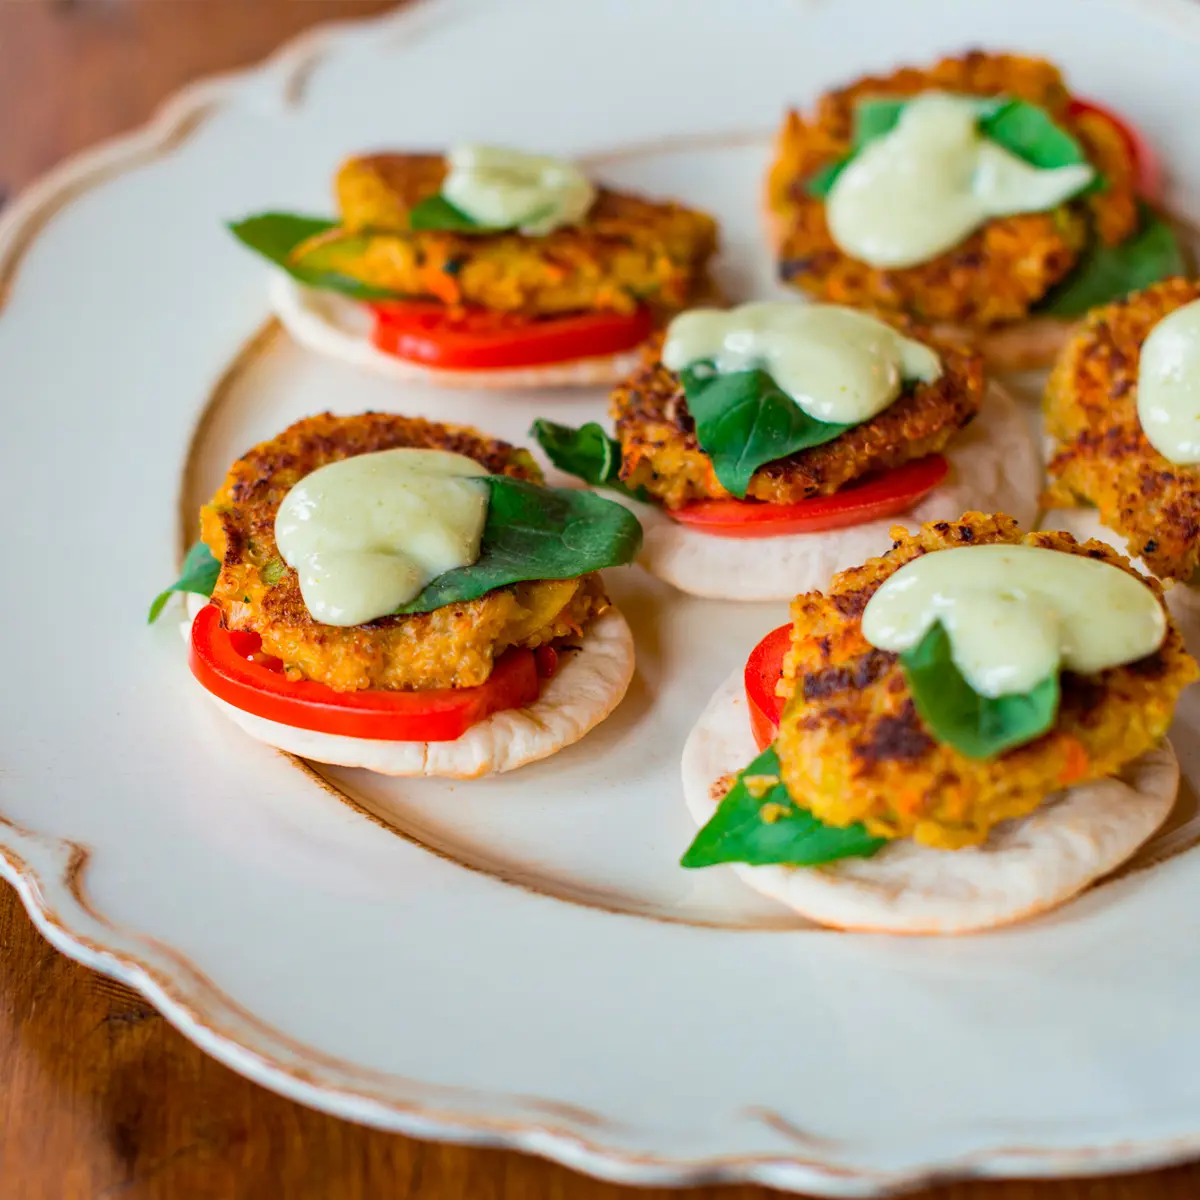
{"points": [[46, 871]]}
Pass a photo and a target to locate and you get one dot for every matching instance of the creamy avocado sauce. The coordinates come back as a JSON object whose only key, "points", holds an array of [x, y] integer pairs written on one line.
{"points": [[839, 365], [1168, 396], [366, 534], [922, 188], [505, 188], [1015, 613]]}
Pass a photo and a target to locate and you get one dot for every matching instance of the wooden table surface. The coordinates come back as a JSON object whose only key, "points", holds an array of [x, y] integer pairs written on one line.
{"points": [[99, 1096]]}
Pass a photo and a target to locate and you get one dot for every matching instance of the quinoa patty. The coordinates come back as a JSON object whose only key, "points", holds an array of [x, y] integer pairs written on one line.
{"points": [[628, 251], [659, 451], [1002, 270], [853, 748], [454, 646], [1102, 456]]}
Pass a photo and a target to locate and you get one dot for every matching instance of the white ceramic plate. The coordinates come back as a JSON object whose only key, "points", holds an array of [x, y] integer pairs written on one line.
{"points": [[524, 964]]}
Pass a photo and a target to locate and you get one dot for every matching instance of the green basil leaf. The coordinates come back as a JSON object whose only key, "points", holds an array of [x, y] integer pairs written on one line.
{"points": [[874, 118], [277, 235], [745, 420], [977, 726], [1106, 273], [763, 826], [436, 212], [1030, 133], [588, 453], [535, 532], [1022, 129], [820, 184], [199, 575]]}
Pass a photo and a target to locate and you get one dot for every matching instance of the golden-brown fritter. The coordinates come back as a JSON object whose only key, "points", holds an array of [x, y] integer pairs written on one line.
{"points": [[1002, 270], [853, 748], [454, 646], [629, 251], [659, 451], [1102, 456]]}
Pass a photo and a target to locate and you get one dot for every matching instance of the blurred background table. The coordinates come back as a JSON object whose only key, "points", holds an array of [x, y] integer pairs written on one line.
{"points": [[99, 1096]]}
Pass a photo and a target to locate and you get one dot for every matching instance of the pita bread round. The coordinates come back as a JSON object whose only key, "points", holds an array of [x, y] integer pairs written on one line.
{"points": [[1183, 601], [340, 328], [1026, 867], [589, 684], [1023, 346], [994, 467]]}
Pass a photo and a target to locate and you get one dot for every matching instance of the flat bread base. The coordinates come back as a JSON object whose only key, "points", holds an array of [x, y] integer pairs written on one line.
{"points": [[1027, 866], [340, 328], [994, 467], [1023, 346], [589, 684]]}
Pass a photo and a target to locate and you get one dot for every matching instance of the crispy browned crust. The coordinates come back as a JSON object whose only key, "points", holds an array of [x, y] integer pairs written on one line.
{"points": [[1102, 456], [454, 646], [853, 748], [629, 250], [659, 451], [999, 273]]}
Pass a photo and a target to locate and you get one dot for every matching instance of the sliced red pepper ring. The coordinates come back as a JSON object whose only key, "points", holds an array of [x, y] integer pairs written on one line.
{"points": [[764, 669], [231, 665], [885, 495], [437, 335], [1147, 164]]}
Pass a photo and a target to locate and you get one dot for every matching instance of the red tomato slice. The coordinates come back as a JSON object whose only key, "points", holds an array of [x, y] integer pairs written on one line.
{"points": [[231, 665], [477, 339], [1148, 166], [763, 670], [885, 495]]}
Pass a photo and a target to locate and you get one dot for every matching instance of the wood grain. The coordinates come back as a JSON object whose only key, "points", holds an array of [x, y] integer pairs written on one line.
{"points": [[99, 1097]]}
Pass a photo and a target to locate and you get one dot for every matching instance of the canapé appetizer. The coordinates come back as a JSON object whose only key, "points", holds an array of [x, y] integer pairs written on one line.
{"points": [[483, 268], [385, 592], [767, 446], [961, 733], [1123, 408], [977, 195]]}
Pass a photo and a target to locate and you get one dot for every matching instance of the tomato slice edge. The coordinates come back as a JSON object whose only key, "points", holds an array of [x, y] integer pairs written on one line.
{"points": [[887, 495], [479, 339], [763, 670], [439, 715], [1147, 164]]}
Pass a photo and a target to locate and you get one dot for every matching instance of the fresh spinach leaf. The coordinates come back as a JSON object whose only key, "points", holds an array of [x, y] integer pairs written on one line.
{"points": [[977, 726], [588, 453], [745, 420], [878, 116], [276, 236], [199, 575], [1029, 132], [875, 118], [758, 823], [535, 532], [821, 182], [1107, 273], [1022, 129], [436, 212]]}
